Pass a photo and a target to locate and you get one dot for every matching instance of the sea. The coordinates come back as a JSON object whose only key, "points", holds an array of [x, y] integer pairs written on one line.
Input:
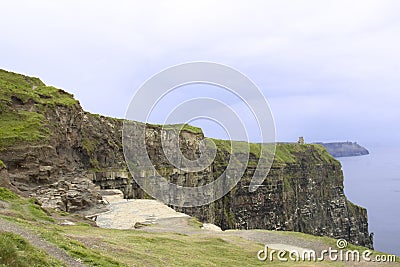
{"points": [[373, 182]]}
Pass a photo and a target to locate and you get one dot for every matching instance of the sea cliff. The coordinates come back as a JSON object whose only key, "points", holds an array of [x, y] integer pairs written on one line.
{"points": [[55, 151]]}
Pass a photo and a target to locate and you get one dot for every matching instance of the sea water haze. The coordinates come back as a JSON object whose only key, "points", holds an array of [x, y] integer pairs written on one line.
{"points": [[373, 182]]}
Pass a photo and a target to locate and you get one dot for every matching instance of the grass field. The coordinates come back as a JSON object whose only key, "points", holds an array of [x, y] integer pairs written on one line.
{"points": [[108, 247]]}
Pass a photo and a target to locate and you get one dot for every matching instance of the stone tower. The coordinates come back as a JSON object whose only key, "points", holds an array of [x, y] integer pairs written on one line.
{"points": [[301, 140]]}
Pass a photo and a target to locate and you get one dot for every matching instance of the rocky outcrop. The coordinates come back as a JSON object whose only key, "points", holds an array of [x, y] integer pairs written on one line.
{"points": [[63, 152], [5, 179], [70, 194]]}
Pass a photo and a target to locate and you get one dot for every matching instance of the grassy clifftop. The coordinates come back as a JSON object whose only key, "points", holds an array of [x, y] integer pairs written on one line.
{"points": [[19, 89], [23, 102], [285, 153]]}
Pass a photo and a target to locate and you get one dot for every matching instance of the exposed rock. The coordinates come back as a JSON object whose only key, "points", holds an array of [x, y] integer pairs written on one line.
{"points": [[67, 223], [5, 179], [68, 194], [112, 195], [211, 227], [135, 213], [65, 151]]}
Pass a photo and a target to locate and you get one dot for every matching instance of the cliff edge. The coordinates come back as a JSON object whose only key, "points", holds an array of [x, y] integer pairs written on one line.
{"points": [[53, 150]]}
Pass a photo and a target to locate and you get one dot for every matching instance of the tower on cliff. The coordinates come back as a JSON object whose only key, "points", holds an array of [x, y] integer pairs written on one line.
{"points": [[301, 140]]}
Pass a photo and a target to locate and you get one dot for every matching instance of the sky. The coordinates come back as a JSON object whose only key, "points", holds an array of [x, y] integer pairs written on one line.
{"points": [[328, 69]]}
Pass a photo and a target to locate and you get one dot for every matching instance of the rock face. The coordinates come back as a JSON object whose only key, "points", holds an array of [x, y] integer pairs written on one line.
{"points": [[71, 194], [345, 149], [61, 152], [302, 196]]}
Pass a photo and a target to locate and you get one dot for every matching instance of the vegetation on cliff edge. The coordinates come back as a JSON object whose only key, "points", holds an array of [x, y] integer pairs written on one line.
{"points": [[23, 102], [285, 153], [178, 127], [21, 89], [21, 125]]}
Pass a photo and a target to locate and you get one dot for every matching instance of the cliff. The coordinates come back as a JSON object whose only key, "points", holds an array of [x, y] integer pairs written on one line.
{"points": [[55, 151], [345, 149]]}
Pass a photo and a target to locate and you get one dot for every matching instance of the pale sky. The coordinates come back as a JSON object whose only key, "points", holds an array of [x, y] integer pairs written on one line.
{"points": [[329, 69]]}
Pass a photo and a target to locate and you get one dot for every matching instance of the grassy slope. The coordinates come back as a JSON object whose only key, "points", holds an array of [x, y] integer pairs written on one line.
{"points": [[108, 247], [26, 88], [19, 125], [16, 251]]}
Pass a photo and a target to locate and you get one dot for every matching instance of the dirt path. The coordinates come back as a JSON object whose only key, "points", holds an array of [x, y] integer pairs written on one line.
{"points": [[38, 242]]}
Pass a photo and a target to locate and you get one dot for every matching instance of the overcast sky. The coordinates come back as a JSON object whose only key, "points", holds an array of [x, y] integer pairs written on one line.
{"points": [[329, 69]]}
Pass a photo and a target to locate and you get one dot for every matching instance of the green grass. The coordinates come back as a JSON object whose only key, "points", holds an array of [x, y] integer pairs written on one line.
{"points": [[16, 251], [239, 146], [36, 211], [137, 248], [29, 88], [324, 154], [286, 153], [2, 165], [51, 96], [108, 247], [78, 250], [290, 152], [7, 195], [21, 126], [23, 103], [26, 210], [177, 127], [23, 208]]}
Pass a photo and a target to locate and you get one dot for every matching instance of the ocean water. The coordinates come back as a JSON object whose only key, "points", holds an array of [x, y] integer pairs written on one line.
{"points": [[373, 182]]}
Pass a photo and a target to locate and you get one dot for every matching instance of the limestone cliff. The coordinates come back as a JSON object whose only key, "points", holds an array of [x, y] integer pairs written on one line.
{"points": [[55, 151]]}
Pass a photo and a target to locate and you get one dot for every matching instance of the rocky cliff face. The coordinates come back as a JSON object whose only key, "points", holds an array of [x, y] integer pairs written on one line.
{"points": [[305, 196], [55, 151]]}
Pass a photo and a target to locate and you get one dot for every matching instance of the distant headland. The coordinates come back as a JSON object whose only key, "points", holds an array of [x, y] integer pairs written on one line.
{"points": [[345, 149]]}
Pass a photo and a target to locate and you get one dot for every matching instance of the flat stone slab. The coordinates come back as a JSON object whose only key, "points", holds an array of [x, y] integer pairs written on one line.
{"points": [[124, 214]]}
